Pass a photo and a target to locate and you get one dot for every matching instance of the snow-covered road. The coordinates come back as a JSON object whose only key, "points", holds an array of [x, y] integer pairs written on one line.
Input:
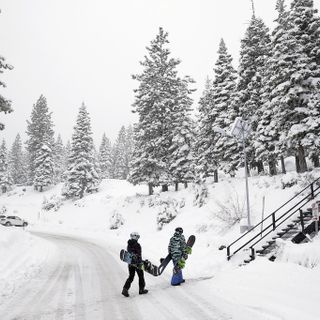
{"points": [[84, 281]]}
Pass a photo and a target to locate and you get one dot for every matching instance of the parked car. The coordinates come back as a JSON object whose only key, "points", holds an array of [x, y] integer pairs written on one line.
{"points": [[13, 221], [2, 218]]}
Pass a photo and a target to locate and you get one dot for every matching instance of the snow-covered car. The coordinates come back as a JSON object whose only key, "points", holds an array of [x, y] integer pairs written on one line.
{"points": [[2, 218], [13, 221]]}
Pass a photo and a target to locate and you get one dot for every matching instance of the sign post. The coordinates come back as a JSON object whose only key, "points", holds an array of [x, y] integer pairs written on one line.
{"points": [[315, 215], [241, 130]]}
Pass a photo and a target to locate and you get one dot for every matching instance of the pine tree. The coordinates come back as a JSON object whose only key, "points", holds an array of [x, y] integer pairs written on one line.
{"points": [[255, 50], [81, 175], [40, 140], [5, 177], [17, 162], [226, 148], [290, 121], [119, 154], [302, 99], [155, 102], [181, 161], [105, 160], [129, 145], [267, 145], [59, 159], [206, 161], [5, 105], [44, 165]]}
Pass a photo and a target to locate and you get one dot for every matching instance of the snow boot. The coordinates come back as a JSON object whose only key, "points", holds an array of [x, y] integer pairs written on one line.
{"points": [[125, 292], [143, 291]]}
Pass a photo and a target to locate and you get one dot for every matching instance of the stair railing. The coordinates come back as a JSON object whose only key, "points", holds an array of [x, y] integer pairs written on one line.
{"points": [[248, 238]]}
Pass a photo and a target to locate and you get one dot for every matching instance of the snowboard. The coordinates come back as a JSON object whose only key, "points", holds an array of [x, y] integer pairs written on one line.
{"points": [[145, 265], [164, 262]]}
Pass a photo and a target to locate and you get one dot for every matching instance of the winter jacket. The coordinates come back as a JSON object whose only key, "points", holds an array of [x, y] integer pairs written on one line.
{"points": [[177, 247], [135, 249]]}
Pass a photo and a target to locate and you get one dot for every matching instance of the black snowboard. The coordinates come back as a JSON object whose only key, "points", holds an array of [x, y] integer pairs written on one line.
{"points": [[164, 262], [145, 265]]}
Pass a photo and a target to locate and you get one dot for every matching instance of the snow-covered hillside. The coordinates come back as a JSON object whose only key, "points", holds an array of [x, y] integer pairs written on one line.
{"points": [[275, 288]]}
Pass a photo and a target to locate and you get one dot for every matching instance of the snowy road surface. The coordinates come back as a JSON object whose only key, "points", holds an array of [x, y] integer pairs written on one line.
{"points": [[84, 282]]}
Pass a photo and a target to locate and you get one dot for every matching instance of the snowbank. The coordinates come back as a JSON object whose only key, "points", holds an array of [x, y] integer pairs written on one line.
{"points": [[21, 257]]}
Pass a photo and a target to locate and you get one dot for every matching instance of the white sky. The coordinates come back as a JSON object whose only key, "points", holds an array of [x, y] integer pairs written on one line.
{"points": [[86, 50]]}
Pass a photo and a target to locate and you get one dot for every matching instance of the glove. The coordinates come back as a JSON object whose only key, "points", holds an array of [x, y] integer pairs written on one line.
{"points": [[181, 263], [189, 250], [141, 266]]}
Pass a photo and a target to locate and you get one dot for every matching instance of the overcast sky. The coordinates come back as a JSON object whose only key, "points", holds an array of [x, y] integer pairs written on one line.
{"points": [[86, 50]]}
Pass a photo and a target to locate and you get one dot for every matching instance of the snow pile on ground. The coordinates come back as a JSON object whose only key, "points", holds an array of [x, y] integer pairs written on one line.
{"points": [[305, 254], [21, 256]]}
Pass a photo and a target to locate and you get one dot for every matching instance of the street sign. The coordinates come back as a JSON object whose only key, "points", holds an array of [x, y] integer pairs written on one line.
{"points": [[240, 128]]}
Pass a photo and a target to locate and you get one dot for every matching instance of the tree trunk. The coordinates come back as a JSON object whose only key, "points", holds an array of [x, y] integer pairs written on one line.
{"points": [[150, 186], [186, 185], [283, 167], [215, 176], [177, 186], [302, 159], [297, 164], [260, 166], [164, 188], [272, 168], [315, 160]]}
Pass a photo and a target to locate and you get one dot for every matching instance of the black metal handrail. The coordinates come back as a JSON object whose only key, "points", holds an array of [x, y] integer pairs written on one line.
{"points": [[274, 225]]}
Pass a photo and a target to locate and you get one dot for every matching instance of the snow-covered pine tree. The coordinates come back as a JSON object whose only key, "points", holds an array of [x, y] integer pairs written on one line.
{"points": [[81, 174], [181, 161], [223, 115], [129, 149], [119, 156], [5, 104], [255, 49], [269, 128], [17, 162], [40, 139], [5, 177], [204, 148], [59, 159], [290, 120], [154, 104], [302, 98], [44, 166], [105, 157]]}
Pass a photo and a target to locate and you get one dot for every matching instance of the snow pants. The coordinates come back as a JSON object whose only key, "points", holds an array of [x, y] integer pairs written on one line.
{"points": [[132, 271], [177, 278]]}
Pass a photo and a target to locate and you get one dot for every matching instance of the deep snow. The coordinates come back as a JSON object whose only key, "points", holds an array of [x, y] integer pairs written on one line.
{"points": [[284, 289]]}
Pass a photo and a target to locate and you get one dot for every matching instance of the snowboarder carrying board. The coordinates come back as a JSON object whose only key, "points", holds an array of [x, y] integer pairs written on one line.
{"points": [[179, 251], [135, 249]]}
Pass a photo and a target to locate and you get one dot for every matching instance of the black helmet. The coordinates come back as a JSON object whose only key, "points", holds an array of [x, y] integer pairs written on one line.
{"points": [[179, 230]]}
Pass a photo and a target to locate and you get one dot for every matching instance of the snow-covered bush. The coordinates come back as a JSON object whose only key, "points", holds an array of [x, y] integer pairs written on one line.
{"points": [[169, 208], [200, 194], [288, 180], [231, 211], [3, 210], [53, 203], [116, 220]]}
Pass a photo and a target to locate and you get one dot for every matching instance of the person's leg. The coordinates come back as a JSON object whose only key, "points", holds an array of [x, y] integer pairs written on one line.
{"points": [[175, 280], [127, 285], [142, 283]]}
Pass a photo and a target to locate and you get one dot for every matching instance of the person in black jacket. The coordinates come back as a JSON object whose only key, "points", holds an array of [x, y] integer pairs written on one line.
{"points": [[136, 266]]}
